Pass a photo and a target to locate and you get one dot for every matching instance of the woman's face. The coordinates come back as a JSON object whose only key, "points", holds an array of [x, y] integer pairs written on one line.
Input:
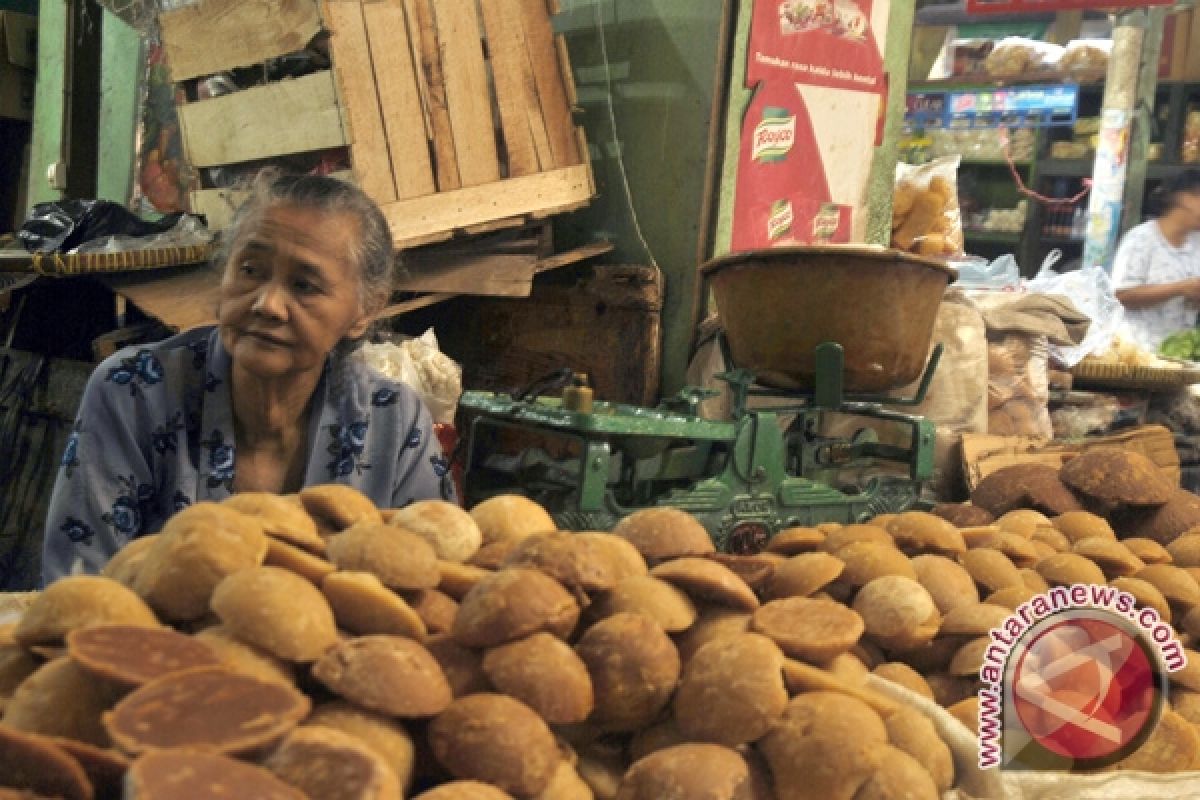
{"points": [[290, 292]]}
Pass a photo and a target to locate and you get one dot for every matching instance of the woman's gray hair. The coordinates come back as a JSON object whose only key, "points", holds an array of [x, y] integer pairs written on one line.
{"points": [[373, 253]]}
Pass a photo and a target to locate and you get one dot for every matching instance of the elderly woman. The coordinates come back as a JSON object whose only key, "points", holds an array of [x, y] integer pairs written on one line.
{"points": [[270, 399]]}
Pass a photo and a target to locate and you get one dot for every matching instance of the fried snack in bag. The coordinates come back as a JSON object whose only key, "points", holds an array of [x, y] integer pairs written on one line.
{"points": [[925, 213]]}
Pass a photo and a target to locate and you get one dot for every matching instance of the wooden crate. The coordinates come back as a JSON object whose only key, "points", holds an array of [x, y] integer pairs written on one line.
{"points": [[457, 113]]}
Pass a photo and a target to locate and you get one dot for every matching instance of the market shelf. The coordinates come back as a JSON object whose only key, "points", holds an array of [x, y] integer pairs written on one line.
{"points": [[992, 237], [1065, 167], [994, 162], [1158, 171], [990, 81], [1061, 240]]}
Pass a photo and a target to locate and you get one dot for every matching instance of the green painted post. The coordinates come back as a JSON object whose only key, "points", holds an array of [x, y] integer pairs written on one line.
{"points": [[120, 85], [49, 100]]}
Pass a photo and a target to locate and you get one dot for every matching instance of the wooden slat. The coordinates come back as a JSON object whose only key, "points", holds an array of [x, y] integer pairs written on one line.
{"points": [[399, 97], [217, 205], [543, 193], [564, 69], [293, 116], [356, 79], [543, 53], [433, 84], [513, 77], [467, 94], [218, 35]]}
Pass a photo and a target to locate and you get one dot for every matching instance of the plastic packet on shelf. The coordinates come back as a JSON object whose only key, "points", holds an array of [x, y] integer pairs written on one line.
{"points": [[926, 219], [1085, 55], [420, 364], [1015, 55]]}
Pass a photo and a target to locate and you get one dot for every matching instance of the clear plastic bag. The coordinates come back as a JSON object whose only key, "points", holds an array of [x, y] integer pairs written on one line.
{"points": [[1085, 55], [1018, 385], [1015, 55], [926, 218], [1091, 291], [420, 364]]}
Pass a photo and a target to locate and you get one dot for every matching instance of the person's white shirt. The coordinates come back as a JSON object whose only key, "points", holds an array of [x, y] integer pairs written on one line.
{"points": [[1145, 258]]}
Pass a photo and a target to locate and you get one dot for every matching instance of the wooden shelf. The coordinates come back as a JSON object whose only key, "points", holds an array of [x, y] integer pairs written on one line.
{"points": [[1090, 78], [993, 162], [991, 237], [1065, 167], [1058, 241]]}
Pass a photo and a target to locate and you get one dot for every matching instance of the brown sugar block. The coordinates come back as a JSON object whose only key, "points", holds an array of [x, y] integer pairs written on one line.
{"points": [[653, 597], [804, 574], [246, 658], [492, 556], [1185, 551], [664, 533], [825, 747], [1043, 550], [1010, 596], [948, 583], [1186, 704], [1163, 524], [898, 776], [496, 739], [386, 737], [1067, 569], [634, 668], [963, 515], [1019, 550], [464, 790], [969, 658], [866, 561], [1009, 488], [1176, 585], [1173, 746], [973, 620], [948, 689], [462, 666], [61, 699], [511, 604], [1189, 676], [124, 565], [1023, 521], [794, 541], [458, 579], [657, 737], [714, 622], [287, 556], [207, 708], [197, 548], [281, 517], [1055, 539], [104, 766], [390, 674], [450, 530], [508, 517], [922, 532], [195, 775], [912, 732], [848, 534], [755, 570], [543, 672], [1113, 558], [1148, 550], [906, 676], [401, 560], [79, 601], [362, 604], [686, 770], [896, 608], [1076, 525], [130, 656], [966, 711], [337, 507], [623, 558], [278, 611], [990, 569], [849, 668], [1120, 477], [812, 629], [17, 664], [732, 690], [566, 784], [36, 763], [1145, 595], [436, 609], [323, 762], [574, 562], [706, 580]]}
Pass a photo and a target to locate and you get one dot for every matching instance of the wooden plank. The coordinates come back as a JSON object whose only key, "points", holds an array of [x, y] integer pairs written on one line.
{"points": [[182, 298], [467, 94], [552, 95], [292, 116], [356, 79], [218, 35], [217, 205], [513, 77], [564, 68], [545, 192], [433, 83], [493, 274], [399, 97]]}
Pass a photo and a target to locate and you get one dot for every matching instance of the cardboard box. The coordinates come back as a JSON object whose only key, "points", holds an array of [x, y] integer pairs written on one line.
{"points": [[1173, 55], [18, 60]]}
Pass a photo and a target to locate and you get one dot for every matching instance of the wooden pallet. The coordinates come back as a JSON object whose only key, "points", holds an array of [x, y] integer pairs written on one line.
{"points": [[457, 113]]}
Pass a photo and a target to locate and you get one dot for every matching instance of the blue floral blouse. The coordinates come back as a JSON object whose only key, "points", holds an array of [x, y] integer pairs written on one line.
{"points": [[155, 433]]}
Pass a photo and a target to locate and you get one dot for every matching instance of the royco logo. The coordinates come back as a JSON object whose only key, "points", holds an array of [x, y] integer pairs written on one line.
{"points": [[779, 223], [1075, 679], [774, 135]]}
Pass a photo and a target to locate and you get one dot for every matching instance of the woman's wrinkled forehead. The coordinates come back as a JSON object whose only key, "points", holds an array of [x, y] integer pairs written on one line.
{"points": [[298, 229]]}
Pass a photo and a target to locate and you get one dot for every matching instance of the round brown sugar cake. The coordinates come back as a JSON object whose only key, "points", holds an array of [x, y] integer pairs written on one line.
{"points": [[194, 775], [634, 668], [104, 766], [911, 731], [1163, 524], [323, 762], [282, 517], [1119, 477], [686, 770], [495, 739], [36, 763], [362, 604], [947, 581], [660, 534], [295, 559], [131, 656], [714, 622], [1008, 488], [401, 560], [336, 507], [60, 699], [543, 672], [278, 611], [436, 609], [510, 516], [731, 691], [576, 563], [208, 708], [622, 558], [123, 567], [511, 604], [241, 657], [812, 629], [451, 531], [390, 674], [794, 541], [386, 737], [80, 601], [898, 775], [706, 580], [464, 790], [963, 515], [653, 597]]}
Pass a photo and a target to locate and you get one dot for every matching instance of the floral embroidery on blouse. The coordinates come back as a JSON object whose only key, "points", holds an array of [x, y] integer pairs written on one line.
{"points": [[440, 465], [165, 437], [199, 350], [70, 456], [414, 438], [384, 396], [140, 370], [220, 461], [77, 531], [125, 517], [347, 448], [180, 501]]}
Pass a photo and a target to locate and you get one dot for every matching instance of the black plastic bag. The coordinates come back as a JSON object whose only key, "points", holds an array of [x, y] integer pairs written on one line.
{"points": [[62, 226]]}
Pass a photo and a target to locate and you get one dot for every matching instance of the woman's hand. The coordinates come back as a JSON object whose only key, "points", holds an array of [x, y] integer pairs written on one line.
{"points": [[1159, 293]]}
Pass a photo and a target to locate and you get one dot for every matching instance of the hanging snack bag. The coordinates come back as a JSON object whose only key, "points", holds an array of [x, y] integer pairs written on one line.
{"points": [[1014, 56], [926, 219]]}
